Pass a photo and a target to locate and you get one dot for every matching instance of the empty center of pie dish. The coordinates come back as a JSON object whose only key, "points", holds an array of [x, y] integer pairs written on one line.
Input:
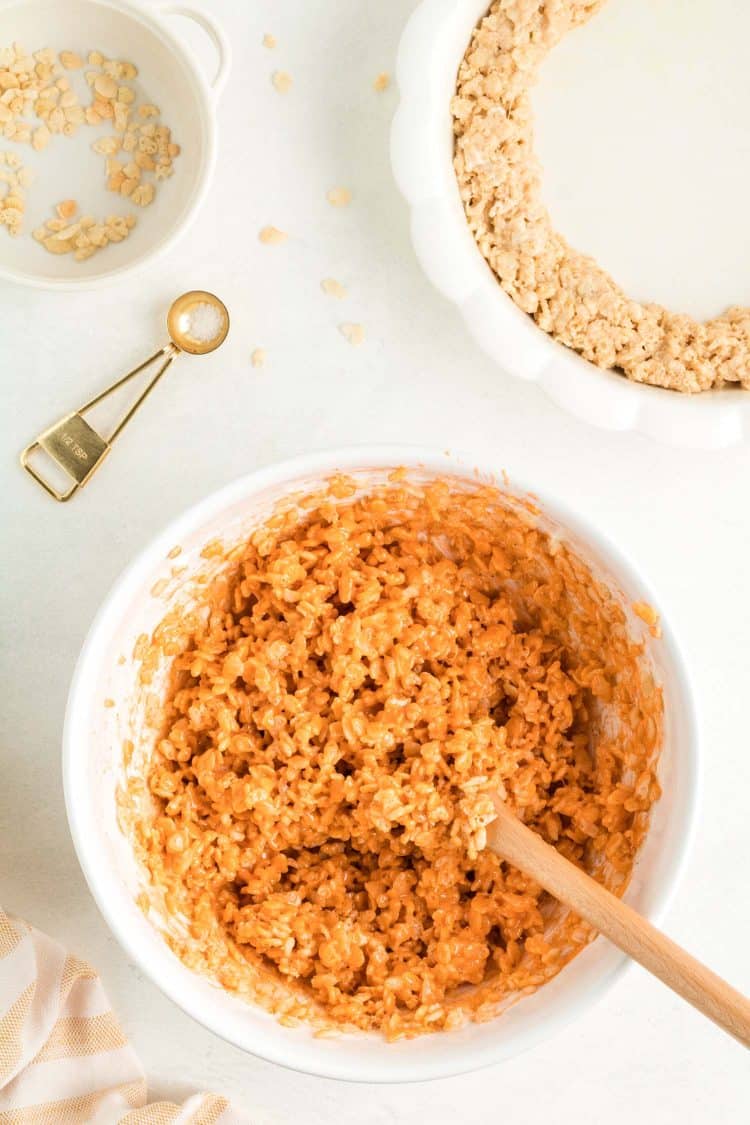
{"points": [[644, 144]]}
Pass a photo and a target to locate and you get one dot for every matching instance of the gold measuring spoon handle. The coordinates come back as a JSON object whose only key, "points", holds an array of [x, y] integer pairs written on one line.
{"points": [[75, 446], [169, 351]]}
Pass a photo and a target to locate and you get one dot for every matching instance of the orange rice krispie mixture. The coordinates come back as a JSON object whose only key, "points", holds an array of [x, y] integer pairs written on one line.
{"points": [[364, 672]]}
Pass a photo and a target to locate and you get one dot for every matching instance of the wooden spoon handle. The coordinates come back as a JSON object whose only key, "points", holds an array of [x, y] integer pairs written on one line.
{"points": [[707, 992]]}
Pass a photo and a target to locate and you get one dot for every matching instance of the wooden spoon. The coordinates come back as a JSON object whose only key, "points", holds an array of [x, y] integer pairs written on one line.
{"points": [[509, 838]]}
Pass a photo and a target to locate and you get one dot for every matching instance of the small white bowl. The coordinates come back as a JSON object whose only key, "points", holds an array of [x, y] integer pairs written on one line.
{"points": [[68, 169], [92, 752], [432, 46]]}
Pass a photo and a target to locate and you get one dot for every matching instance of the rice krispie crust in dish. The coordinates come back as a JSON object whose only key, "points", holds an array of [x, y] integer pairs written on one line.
{"points": [[348, 690], [566, 292]]}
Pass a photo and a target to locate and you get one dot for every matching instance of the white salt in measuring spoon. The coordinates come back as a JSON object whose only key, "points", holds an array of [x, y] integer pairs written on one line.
{"points": [[513, 841], [198, 323]]}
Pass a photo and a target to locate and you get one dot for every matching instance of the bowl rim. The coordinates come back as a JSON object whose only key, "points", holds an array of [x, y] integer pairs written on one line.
{"points": [[155, 19], [429, 52], [301, 1055]]}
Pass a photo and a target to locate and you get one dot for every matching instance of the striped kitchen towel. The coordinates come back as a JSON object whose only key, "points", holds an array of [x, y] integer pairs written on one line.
{"points": [[63, 1056]]}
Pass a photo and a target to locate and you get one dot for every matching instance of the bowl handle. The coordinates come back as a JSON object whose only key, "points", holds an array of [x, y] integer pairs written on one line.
{"points": [[215, 34]]}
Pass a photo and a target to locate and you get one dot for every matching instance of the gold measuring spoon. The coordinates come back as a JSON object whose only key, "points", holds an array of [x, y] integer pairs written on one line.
{"points": [[198, 323]]}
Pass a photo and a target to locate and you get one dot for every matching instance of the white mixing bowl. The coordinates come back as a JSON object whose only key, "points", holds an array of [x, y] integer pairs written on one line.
{"points": [[92, 765], [69, 169], [432, 46]]}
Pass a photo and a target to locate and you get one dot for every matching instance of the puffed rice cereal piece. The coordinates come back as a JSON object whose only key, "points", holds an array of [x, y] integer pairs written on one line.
{"points": [[272, 236], [354, 333], [333, 288], [339, 197], [282, 81], [13, 201]]}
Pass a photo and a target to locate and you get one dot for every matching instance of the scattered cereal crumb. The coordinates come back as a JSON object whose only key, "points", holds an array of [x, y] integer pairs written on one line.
{"points": [[332, 288], [354, 333], [269, 40], [258, 357], [174, 552], [143, 195], [213, 549], [109, 702], [382, 82], [272, 236], [282, 81], [105, 86], [648, 614], [66, 209], [339, 197]]}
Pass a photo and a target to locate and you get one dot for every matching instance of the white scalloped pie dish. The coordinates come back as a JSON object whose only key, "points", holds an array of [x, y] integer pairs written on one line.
{"points": [[431, 48]]}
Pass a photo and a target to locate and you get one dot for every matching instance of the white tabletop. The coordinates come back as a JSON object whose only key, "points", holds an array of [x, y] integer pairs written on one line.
{"points": [[683, 516]]}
